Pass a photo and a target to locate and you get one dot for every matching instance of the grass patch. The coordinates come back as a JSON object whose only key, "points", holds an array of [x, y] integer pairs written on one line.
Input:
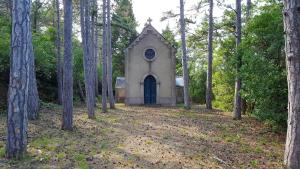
{"points": [[254, 163], [149, 142], [61, 155], [104, 145], [231, 138], [187, 114], [81, 161], [44, 143], [2, 152]]}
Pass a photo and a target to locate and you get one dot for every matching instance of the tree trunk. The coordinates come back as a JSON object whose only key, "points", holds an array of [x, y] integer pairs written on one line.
{"points": [[36, 15], [109, 59], [67, 120], [104, 60], [210, 57], [184, 58], [238, 83], [21, 52], [59, 68], [96, 58], [88, 60], [80, 91], [292, 48], [33, 96], [248, 10]]}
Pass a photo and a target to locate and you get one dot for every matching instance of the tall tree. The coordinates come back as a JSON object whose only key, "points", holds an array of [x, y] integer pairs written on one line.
{"points": [[210, 57], [123, 32], [238, 82], [67, 120], [36, 14], [109, 59], [21, 53], [88, 57], [58, 54], [33, 96], [292, 49], [96, 47], [104, 58], [184, 57], [248, 10]]}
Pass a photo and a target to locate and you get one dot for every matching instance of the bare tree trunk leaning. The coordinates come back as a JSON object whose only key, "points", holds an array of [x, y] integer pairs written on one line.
{"points": [[67, 120], [104, 60], [59, 68], [210, 57], [21, 51], [109, 59], [238, 83], [292, 49], [184, 58]]}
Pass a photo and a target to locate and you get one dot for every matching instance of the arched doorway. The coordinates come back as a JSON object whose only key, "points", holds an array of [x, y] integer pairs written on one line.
{"points": [[150, 90]]}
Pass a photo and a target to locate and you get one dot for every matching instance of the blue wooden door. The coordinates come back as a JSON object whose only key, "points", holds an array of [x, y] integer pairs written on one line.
{"points": [[150, 90]]}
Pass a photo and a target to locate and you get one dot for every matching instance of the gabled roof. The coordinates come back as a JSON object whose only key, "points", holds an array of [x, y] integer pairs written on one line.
{"points": [[147, 29]]}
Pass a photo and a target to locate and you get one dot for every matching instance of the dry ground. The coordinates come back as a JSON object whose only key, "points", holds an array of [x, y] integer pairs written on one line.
{"points": [[144, 137]]}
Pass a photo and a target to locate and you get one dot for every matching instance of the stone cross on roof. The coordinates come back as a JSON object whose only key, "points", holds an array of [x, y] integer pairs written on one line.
{"points": [[148, 21]]}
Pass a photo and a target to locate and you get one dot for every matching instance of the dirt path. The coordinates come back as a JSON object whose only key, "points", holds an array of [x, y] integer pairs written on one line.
{"points": [[139, 137]]}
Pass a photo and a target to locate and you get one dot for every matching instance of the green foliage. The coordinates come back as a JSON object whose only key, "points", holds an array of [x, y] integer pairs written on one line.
{"points": [[263, 74], [2, 152], [170, 37], [263, 71], [224, 74], [123, 33], [197, 43], [5, 29]]}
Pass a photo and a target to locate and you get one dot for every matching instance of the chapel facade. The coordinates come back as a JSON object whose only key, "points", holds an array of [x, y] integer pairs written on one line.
{"points": [[150, 74]]}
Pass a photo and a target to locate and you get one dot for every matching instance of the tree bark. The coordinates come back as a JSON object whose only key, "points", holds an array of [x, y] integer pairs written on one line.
{"points": [[96, 48], [210, 57], [59, 68], [109, 59], [238, 82], [21, 51], [292, 49], [33, 95], [184, 58], [81, 93], [88, 59], [104, 60], [67, 120]]}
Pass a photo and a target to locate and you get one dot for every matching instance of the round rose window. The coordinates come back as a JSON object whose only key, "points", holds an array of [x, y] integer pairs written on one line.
{"points": [[149, 54]]}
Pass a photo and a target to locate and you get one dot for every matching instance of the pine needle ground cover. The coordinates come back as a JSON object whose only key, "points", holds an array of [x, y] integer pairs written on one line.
{"points": [[147, 137]]}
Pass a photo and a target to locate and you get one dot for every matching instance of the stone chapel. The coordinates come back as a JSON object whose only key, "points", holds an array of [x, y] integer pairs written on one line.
{"points": [[150, 76]]}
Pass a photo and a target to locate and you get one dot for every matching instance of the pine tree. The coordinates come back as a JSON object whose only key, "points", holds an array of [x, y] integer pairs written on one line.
{"points": [[184, 57], [104, 58], [210, 57], [109, 59], [292, 50], [18, 95], [58, 53], [238, 82], [67, 120]]}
